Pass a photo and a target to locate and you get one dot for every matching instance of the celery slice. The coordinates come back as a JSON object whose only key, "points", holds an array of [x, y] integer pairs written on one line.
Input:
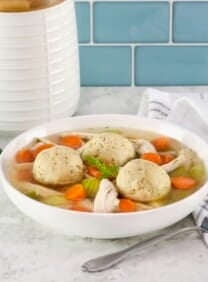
{"points": [[197, 172], [180, 171], [56, 201], [106, 170], [34, 195], [91, 186]]}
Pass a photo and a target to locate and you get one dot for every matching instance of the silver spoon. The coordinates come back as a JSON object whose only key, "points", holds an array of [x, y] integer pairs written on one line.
{"points": [[107, 261]]}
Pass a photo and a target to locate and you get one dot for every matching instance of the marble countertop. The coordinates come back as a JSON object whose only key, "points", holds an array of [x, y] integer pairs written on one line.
{"points": [[30, 252]]}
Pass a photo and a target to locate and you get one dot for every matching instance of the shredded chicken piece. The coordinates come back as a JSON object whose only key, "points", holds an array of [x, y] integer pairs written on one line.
{"points": [[46, 141], [143, 146], [81, 149], [184, 158], [106, 200], [40, 141], [28, 187]]}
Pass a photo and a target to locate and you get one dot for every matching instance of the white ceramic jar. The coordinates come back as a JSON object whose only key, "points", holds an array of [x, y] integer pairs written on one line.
{"points": [[39, 66]]}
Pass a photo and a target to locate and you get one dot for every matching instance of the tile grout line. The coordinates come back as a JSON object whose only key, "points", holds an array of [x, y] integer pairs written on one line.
{"points": [[171, 1], [171, 23], [145, 44], [132, 66], [91, 23]]}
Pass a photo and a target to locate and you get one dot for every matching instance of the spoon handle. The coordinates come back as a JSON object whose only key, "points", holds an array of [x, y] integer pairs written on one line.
{"points": [[107, 261]]}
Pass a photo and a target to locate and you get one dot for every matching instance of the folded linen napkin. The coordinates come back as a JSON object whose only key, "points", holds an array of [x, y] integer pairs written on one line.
{"points": [[188, 110]]}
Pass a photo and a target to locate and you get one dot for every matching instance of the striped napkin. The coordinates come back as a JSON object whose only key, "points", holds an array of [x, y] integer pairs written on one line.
{"points": [[189, 110]]}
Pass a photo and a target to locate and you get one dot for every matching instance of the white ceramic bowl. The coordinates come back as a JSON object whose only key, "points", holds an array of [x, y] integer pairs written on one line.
{"points": [[104, 225]]}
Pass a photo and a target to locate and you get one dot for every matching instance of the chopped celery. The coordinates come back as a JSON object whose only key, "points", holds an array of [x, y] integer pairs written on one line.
{"points": [[106, 170], [197, 172], [91, 186], [180, 171], [56, 201], [33, 195]]}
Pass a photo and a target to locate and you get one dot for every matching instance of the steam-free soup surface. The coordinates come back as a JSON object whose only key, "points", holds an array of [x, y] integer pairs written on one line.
{"points": [[107, 170]]}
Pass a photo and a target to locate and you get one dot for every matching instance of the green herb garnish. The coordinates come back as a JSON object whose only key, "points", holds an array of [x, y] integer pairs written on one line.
{"points": [[106, 170], [1, 150]]}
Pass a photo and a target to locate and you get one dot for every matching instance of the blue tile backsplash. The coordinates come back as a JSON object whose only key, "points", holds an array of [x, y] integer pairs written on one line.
{"points": [[130, 22], [83, 21], [143, 43], [190, 22], [169, 65], [105, 66]]}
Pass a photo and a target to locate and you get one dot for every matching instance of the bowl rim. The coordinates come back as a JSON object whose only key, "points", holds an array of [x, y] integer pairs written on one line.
{"points": [[91, 214]]}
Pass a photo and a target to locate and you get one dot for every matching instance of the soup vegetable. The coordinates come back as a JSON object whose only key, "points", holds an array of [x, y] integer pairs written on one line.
{"points": [[107, 170]]}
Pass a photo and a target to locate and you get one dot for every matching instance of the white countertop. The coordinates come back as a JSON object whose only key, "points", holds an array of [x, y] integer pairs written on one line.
{"points": [[30, 252]]}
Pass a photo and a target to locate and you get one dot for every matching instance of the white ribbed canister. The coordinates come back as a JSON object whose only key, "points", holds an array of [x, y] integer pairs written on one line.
{"points": [[39, 67]]}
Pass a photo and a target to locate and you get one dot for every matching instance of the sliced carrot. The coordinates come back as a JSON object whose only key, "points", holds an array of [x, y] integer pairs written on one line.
{"points": [[127, 205], [166, 158], [161, 143], [24, 175], [75, 193], [72, 141], [152, 157], [94, 172], [24, 156], [183, 182], [81, 208], [40, 148]]}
